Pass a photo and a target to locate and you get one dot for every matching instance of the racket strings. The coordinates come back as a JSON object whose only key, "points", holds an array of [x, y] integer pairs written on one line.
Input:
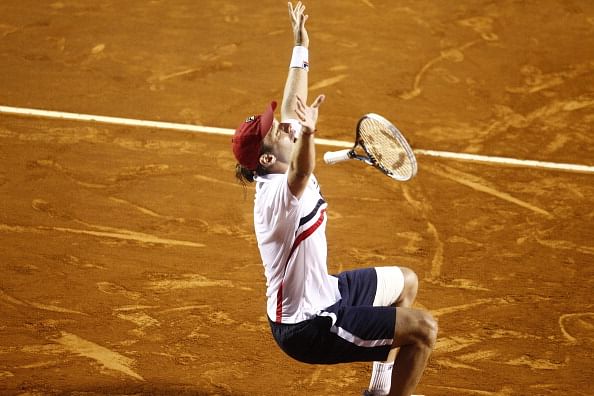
{"points": [[385, 150]]}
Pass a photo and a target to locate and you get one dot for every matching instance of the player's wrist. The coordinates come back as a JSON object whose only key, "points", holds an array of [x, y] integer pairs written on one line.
{"points": [[300, 58], [308, 131]]}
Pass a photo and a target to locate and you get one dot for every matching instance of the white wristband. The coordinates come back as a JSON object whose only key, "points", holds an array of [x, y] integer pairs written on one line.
{"points": [[300, 58]]}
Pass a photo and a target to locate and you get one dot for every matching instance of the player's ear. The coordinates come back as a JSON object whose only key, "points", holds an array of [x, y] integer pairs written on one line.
{"points": [[267, 160]]}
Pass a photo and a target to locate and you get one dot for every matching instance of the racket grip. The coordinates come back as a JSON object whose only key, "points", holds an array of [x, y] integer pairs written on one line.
{"points": [[332, 157]]}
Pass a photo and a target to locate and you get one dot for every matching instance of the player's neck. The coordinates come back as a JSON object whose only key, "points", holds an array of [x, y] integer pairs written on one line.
{"points": [[278, 167]]}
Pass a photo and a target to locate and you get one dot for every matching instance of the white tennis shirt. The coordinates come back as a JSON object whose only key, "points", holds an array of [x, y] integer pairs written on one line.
{"points": [[291, 236]]}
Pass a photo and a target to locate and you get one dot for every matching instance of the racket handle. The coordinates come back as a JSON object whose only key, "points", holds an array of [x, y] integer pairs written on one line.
{"points": [[332, 157]]}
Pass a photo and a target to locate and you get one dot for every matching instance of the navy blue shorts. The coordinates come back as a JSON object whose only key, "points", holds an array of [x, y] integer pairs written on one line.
{"points": [[352, 330]]}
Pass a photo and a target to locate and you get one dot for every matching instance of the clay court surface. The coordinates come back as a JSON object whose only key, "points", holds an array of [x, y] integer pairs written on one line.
{"points": [[128, 263]]}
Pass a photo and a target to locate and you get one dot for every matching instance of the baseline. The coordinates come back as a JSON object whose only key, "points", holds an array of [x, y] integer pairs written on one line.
{"points": [[325, 142]]}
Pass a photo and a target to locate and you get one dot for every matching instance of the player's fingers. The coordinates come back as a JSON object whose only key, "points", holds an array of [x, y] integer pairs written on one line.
{"points": [[302, 21], [300, 11], [319, 100], [300, 114], [292, 14], [300, 107]]}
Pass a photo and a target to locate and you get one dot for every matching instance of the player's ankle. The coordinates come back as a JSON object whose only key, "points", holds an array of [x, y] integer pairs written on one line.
{"points": [[381, 378]]}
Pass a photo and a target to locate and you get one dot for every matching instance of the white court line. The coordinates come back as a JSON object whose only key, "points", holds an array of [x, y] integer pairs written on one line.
{"points": [[324, 142], [113, 120]]}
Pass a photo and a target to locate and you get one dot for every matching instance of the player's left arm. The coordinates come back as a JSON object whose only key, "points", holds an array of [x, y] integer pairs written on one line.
{"points": [[296, 84]]}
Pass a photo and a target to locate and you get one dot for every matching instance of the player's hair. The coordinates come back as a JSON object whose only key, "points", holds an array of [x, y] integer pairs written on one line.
{"points": [[245, 176]]}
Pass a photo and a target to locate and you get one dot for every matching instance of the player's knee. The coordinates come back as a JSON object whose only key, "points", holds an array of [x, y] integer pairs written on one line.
{"points": [[431, 327], [428, 329], [415, 327]]}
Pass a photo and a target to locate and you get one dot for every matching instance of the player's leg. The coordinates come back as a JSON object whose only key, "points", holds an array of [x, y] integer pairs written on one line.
{"points": [[367, 333], [397, 286], [409, 291], [406, 298], [415, 335]]}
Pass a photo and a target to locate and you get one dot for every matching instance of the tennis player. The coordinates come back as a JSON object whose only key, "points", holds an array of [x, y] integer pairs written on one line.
{"points": [[317, 318]]}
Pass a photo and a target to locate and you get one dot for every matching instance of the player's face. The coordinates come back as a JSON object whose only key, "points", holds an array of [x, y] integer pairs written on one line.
{"points": [[280, 141]]}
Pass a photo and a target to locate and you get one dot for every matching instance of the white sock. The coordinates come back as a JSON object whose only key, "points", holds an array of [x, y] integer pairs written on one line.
{"points": [[381, 378]]}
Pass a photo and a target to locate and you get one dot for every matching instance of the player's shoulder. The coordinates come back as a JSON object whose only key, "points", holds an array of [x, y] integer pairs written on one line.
{"points": [[270, 177], [270, 185], [270, 181]]}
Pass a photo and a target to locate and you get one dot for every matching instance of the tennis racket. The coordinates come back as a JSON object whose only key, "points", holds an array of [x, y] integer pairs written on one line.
{"points": [[384, 147]]}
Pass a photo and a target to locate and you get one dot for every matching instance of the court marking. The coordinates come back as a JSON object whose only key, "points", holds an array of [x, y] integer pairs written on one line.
{"points": [[107, 358], [464, 179], [324, 142], [562, 319], [107, 232]]}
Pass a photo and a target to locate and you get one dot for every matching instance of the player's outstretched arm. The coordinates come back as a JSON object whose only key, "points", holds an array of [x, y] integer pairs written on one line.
{"points": [[296, 83], [303, 156]]}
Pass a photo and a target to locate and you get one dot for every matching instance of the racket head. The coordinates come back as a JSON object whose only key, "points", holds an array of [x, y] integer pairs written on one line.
{"points": [[386, 147]]}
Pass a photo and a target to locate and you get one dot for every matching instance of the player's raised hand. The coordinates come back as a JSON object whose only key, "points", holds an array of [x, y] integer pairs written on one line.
{"points": [[298, 19], [308, 115]]}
